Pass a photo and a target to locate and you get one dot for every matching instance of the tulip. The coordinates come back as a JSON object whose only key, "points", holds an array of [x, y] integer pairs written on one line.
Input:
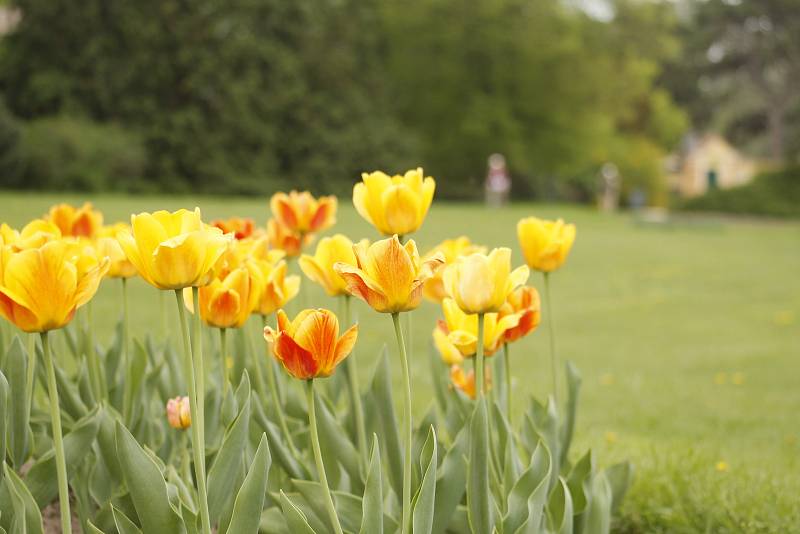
{"points": [[524, 302], [108, 245], [465, 381], [228, 300], [76, 222], [458, 333], [545, 244], [301, 213], [480, 283], [388, 276], [394, 204], [319, 267], [281, 237], [179, 413], [239, 227], [174, 250], [275, 289], [451, 249], [33, 235]]}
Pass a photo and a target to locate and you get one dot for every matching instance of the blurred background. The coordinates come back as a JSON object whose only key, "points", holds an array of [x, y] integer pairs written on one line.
{"points": [[621, 102]]}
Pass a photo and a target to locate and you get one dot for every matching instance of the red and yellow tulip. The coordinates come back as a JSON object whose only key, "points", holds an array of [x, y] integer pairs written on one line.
{"points": [[456, 337], [526, 304], [228, 300], [301, 213], [179, 414], [76, 222], [241, 228]]}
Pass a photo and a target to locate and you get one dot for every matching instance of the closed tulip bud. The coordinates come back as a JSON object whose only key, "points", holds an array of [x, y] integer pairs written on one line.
{"points": [[451, 249], [388, 276], [319, 267], [525, 303], [241, 228], [456, 337], [545, 244], [275, 289], [40, 288], [309, 346], [174, 250], [480, 283], [227, 301], [465, 381], [394, 204], [301, 213], [179, 413], [76, 222], [282, 238]]}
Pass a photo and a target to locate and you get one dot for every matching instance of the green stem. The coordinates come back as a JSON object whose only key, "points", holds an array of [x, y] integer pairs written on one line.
{"points": [[91, 353], [58, 440], [551, 328], [323, 478], [479, 368], [398, 332], [186, 469], [223, 352], [198, 439], [260, 384], [199, 364], [127, 400], [355, 395], [273, 386], [31, 371], [507, 361]]}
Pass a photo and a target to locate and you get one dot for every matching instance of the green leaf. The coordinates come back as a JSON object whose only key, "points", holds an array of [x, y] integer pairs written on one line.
{"points": [[545, 420], [423, 503], [597, 518], [42, 480], [527, 497], [372, 502], [438, 370], [294, 517], [3, 416], [560, 509], [147, 487], [336, 447], [123, 523], [619, 477], [478, 496], [277, 446], [226, 471], [26, 512], [93, 529], [573, 388], [16, 365], [452, 481], [250, 500], [578, 480], [381, 391], [68, 395]]}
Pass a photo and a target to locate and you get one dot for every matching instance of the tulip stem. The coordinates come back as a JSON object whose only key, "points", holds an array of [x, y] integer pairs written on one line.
{"points": [[398, 331], [126, 382], [223, 353], [198, 439], [31, 371], [479, 358], [355, 394], [58, 440], [323, 478], [552, 335], [507, 361], [273, 386]]}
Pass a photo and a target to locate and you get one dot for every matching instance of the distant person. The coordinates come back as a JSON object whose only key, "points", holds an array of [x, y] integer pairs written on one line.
{"points": [[498, 182]]}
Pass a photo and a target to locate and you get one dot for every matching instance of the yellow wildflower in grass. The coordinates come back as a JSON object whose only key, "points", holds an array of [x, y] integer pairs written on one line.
{"points": [[721, 378], [275, 289], [394, 204], [611, 437], [76, 222], [722, 466], [174, 250], [309, 346], [545, 244], [319, 267], [179, 413], [737, 379], [40, 288], [456, 337], [481, 283], [301, 213], [388, 276], [228, 300], [451, 249]]}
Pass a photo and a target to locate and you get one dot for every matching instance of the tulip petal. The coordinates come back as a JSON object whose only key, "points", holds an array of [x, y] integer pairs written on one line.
{"points": [[297, 361], [345, 345], [401, 208], [360, 285]]}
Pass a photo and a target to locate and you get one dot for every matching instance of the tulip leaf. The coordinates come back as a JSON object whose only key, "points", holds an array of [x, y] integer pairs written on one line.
{"points": [[42, 480], [452, 480], [92, 529], [250, 500], [147, 487], [123, 523], [578, 480], [387, 422], [545, 421], [527, 497], [68, 395], [597, 517], [423, 504], [573, 389], [437, 371], [26, 511], [336, 447], [3, 416], [619, 477], [226, 471], [298, 524], [372, 502], [560, 509], [16, 365], [478, 495], [277, 446]]}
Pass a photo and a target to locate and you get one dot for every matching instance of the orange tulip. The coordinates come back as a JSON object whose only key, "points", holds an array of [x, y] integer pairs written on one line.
{"points": [[179, 413], [523, 302], [228, 300], [465, 381], [239, 227], [309, 346], [451, 249], [40, 288], [301, 213], [388, 276], [275, 289], [76, 222], [281, 237]]}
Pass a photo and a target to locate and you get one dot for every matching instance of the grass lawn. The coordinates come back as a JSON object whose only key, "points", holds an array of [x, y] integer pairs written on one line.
{"points": [[687, 337]]}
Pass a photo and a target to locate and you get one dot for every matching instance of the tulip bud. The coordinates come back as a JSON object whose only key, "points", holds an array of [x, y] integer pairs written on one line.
{"points": [[179, 414]]}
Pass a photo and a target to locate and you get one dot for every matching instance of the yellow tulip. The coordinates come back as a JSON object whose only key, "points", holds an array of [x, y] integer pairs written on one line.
{"points": [[281, 237], [33, 235], [228, 300], [174, 250], [545, 244], [40, 288], [319, 267], [107, 244], [274, 287], [456, 337], [76, 222], [301, 213], [480, 283], [451, 249], [388, 276], [394, 204]]}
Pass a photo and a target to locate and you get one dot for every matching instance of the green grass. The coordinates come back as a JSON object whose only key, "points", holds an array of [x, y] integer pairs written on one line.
{"points": [[651, 316]]}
